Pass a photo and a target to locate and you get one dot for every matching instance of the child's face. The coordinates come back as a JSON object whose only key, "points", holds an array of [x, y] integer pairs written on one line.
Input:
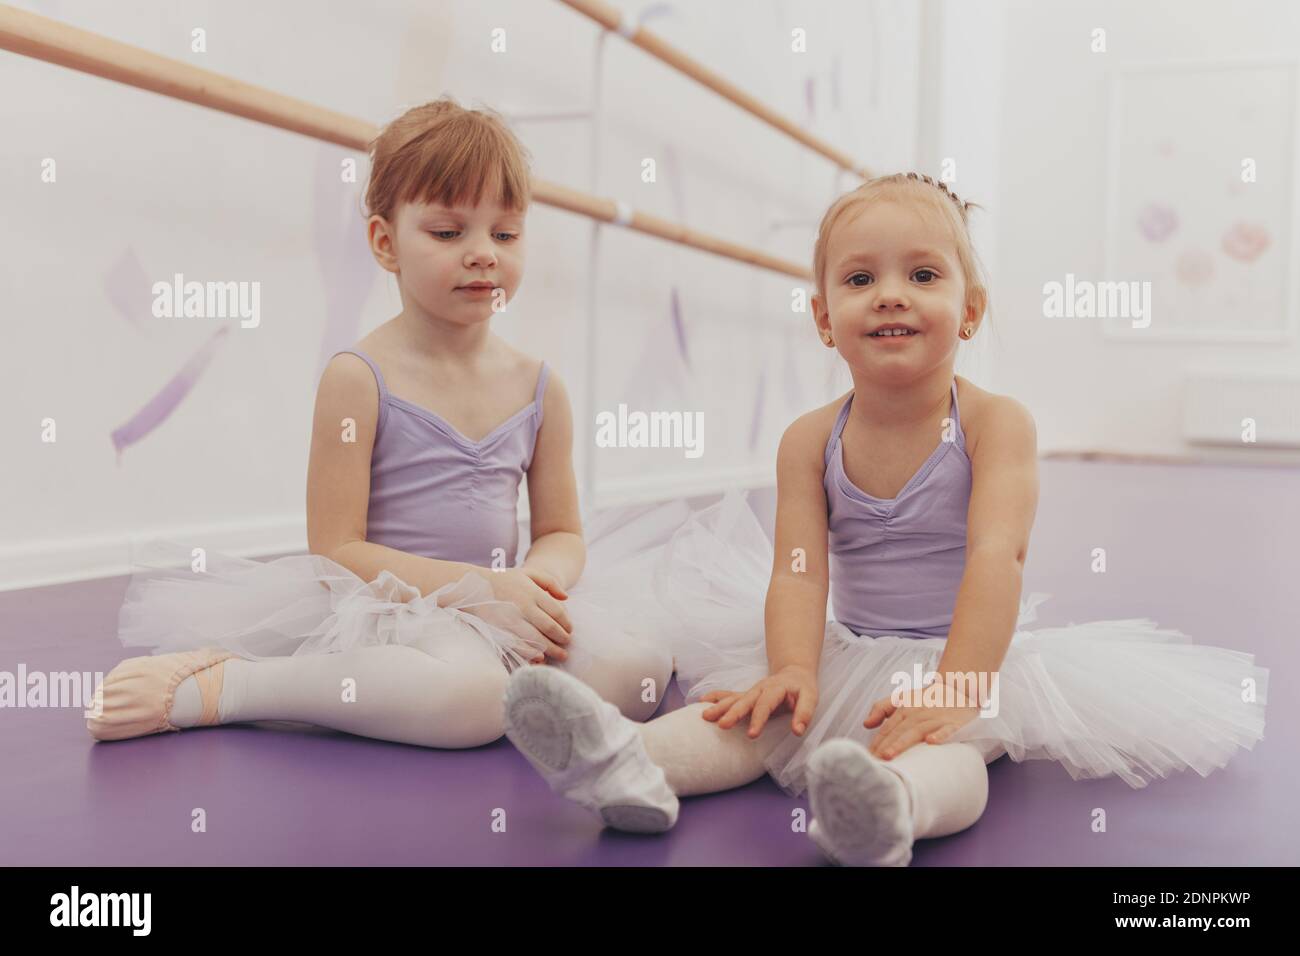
{"points": [[439, 251], [885, 264]]}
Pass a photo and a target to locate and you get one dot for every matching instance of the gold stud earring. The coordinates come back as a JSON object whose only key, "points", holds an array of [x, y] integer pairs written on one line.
{"points": [[826, 337], [966, 332]]}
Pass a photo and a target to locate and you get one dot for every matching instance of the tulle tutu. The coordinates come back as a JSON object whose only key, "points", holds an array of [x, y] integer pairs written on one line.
{"points": [[310, 604], [1122, 697]]}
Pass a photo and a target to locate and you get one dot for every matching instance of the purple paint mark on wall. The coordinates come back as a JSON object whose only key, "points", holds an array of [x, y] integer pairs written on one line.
{"points": [[128, 288], [654, 10], [156, 411], [1157, 221], [679, 328], [673, 170], [342, 250]]}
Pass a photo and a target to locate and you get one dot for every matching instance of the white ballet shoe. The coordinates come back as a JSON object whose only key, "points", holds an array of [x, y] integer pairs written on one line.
{"points": [[861, 809], [587, 750]]}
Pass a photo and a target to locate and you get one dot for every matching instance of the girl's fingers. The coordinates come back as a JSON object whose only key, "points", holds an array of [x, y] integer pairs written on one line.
{"points": [[722, 700], [767, 701], [940, 734], [557, 613], [905, 735], [550, 631], [537, 639], [738, 710], [547, 582], [879, 711], [805, 706]]}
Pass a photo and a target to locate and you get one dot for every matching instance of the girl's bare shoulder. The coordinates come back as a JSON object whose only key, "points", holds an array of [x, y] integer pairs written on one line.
{"points": [[806, 437], [983, 411]]}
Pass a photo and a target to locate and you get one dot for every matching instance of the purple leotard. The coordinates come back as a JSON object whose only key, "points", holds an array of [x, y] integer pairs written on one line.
{"points": [[896, 563], [436, 493]]}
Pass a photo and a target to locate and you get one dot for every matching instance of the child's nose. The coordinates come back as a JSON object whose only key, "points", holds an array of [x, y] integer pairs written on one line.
{"points": [[891, 297], [480, 257]]}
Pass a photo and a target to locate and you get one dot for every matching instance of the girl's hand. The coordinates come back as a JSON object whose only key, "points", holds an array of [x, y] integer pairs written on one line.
{"points": [[907, 725], [793, 687], [537, 594]]}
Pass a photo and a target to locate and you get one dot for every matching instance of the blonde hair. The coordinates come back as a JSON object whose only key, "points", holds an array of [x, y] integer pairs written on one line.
{"points": [[932, 195], [441, 152]]}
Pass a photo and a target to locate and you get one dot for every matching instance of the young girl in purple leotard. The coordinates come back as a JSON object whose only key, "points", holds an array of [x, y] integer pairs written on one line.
{"points": [[409, 613], [909, 501]]}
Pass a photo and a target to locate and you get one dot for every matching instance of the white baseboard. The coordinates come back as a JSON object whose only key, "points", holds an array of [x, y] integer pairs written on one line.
{"points": [[61, 560]]}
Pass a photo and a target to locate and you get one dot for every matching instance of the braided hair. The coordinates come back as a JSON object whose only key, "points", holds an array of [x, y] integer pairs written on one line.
{"points": [[940, 185]]}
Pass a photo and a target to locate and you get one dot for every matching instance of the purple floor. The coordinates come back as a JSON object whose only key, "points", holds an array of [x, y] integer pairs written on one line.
{"points": [[1210, 550]]}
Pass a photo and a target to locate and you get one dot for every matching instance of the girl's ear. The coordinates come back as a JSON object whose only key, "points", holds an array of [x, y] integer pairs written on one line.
{"points": [[821, 318], [379, 236]]}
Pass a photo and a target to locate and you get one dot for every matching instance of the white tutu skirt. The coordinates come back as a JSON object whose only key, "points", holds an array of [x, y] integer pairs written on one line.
{"points": [[310, 604], [1121, 697]]}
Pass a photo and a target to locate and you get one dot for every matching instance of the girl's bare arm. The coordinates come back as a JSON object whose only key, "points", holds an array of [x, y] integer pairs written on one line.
{"points": [[795, 611], [554, 517], [1004, 498]]}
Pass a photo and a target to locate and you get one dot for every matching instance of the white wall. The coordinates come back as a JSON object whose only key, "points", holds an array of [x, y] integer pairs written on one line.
{"points": [[1089, 392], [148, 187]]}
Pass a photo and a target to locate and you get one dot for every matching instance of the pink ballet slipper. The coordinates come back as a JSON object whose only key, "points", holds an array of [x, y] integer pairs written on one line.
{"points": [[136, 696]]}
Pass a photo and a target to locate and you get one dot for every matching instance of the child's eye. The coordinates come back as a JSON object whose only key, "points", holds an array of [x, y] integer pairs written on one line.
{"points": [[444, 233], [858, 275], [507, 236], [928, 272]]}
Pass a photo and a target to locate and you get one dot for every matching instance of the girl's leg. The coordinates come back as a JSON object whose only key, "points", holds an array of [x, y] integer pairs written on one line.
{"points": [[698, 756], [628, 774], [388, 692], [948, 785], [868, 811], [629, 672]]}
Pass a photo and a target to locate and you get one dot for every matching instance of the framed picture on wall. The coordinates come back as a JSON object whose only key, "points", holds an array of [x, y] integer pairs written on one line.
{"points": [[1201, 203]]}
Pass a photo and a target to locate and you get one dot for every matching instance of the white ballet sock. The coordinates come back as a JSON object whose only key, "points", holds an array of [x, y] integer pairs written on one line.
{"points": [[451, 699], [586, 750], [868, 811], [948, 784], [862, 811], [187, 704], [698, 756]]}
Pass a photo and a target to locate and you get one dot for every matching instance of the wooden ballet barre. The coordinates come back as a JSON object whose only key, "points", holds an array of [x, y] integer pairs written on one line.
{"points": [[42, 38], [612, 19]]}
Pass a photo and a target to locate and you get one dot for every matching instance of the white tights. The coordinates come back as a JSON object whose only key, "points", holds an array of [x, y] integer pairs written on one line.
{"points": [[948, 783], [447, 694]]}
